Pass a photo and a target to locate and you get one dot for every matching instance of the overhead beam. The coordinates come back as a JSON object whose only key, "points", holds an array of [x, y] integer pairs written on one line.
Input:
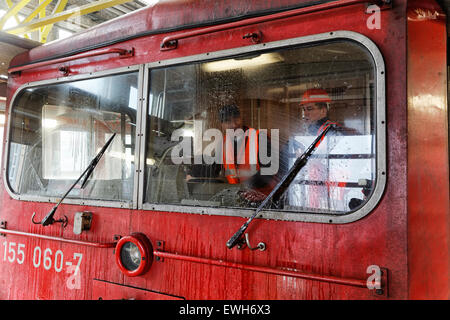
{"points": [[38, 10], [79, 26], [42, 14], [12, 12], [79, 11], [58, 8], [10, 5]]}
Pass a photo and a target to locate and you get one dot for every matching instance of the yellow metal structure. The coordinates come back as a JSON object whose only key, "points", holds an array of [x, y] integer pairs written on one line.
{"points": [[46, 30], [10, 5], [12, 12], [38, 10], [42, 15], [44, 23]]}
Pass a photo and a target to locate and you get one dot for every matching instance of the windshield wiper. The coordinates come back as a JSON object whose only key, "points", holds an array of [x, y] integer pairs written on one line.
{"points": [[281, 186], [48, 219]]}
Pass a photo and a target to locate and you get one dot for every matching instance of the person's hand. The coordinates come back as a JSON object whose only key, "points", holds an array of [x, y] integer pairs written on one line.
{"points": [[252, 197]]}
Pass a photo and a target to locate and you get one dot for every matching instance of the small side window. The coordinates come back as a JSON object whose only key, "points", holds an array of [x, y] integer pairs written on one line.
{"points": [[57, 129], [208, 120]]}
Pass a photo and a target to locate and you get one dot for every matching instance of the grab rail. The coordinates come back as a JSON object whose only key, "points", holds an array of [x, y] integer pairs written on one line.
{"points": [[171, 42], [123, 53], [72, 241], [277, 271]]}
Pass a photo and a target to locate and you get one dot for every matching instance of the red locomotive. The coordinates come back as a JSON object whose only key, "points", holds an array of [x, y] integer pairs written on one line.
{"points": [[117, 180]]}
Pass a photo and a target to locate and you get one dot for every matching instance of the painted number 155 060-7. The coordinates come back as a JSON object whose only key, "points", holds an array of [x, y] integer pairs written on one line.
{"points": [[15, 252]]}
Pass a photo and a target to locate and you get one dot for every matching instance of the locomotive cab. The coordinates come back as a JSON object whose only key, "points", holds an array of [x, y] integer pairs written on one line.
{"points": [[366, 217]]}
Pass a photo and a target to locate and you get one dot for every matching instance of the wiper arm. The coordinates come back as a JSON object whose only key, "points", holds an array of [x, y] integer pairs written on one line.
{"points": [[48, 219], [281, 186]]}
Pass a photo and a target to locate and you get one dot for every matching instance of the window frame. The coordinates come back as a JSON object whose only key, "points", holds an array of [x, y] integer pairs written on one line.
{"points": [[79, 201], [380, 131], [141, 123]]}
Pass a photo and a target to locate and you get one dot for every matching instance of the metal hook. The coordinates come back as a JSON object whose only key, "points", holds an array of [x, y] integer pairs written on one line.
{"points": [[32, 219], [255, 37], [261, 246], [47, 221]]}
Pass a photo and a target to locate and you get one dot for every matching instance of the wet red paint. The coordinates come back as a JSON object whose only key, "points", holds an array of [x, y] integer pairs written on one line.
{"points": [[390, 236], [428, 165]]}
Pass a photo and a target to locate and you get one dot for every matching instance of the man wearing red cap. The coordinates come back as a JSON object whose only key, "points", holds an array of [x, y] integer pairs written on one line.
{"points": [[315, 104]]}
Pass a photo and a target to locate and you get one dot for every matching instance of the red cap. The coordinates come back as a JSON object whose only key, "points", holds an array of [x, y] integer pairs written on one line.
{"points": [[315, 95]]}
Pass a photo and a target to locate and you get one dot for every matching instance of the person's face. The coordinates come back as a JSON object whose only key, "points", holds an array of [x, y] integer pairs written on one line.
{"points": [[312, 112], [233, 123]]}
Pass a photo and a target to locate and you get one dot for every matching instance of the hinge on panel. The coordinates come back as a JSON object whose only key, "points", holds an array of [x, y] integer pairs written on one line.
{"points": [[127, 54], [159, 247], [255, 37], [169, 45], [3, 226], [64, 70]]}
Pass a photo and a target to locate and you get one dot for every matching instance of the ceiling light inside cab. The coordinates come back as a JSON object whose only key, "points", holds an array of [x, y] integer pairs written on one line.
{"points": [[242, 63]]}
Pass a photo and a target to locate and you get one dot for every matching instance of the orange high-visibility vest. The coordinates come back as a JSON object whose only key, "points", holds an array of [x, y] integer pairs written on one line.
{"points": [[246, 164], [325, 125]]}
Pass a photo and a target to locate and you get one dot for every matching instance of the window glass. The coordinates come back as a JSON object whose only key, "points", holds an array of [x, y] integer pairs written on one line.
{"points": [[223, 133], [57, 129]]}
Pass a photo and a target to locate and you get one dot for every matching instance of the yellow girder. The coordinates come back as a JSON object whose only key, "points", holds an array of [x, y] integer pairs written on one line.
{"points": [[42, 15], [58, 8], [12, 12], [37, 11], [10, 5], [79, 11]]}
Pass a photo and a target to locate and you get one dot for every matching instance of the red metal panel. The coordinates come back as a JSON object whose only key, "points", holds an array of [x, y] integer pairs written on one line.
{"points": [[248, 22], [428, 163], [47, 268], [164, 15], [102, 290]]}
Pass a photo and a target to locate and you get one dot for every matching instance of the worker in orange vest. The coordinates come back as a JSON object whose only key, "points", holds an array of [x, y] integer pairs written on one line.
{"points": [[240, 146], [240, 150]]}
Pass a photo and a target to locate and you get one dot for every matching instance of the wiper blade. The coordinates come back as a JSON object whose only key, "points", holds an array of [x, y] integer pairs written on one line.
{"points": [[48, 219], [281, 186]]}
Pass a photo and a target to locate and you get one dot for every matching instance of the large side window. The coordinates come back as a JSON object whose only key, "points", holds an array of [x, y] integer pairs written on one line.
{"points": [[57, 129], [222, 133]]}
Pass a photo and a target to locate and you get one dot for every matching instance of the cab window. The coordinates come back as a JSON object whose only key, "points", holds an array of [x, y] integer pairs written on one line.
{"points": [[57, 129], [223, 133]]}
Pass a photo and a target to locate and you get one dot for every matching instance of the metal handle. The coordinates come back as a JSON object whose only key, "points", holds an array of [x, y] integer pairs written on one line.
{"points": [[123, 53], [45, 237], [171, 42]]}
